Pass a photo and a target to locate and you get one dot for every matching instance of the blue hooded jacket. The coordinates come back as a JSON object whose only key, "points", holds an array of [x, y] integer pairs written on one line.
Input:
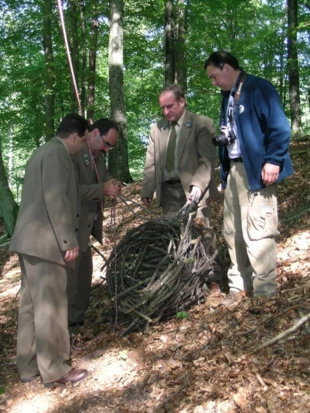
{"points": [[262, 128]]}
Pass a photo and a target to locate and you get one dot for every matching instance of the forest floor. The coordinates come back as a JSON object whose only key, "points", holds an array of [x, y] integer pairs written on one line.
{"points": [[207, 362]]}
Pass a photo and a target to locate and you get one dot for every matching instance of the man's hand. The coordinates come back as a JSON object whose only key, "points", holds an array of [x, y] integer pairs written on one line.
{"points": [[112, 188], [146, 202], [72, 254], [270, 173], [195, 194]]}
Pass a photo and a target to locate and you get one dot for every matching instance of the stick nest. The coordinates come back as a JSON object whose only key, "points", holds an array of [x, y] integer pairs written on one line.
{"points": [[158, 270]]}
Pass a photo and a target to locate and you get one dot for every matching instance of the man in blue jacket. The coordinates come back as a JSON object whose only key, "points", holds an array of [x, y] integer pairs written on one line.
{"points": [[253, 150]]}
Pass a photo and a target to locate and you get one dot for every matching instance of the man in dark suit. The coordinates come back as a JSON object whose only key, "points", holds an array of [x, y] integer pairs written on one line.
{"points": [[45, 240], [95, 182], [180, 159]]}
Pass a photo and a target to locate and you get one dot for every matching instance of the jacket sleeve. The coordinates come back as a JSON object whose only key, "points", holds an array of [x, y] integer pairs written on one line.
{"points": [[149, 176], [56, 172], [273, 123], [206, 154]]}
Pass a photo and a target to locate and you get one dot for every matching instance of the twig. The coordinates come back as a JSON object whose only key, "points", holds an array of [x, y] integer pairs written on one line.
{"points": [[98, 252], [282, 335]]}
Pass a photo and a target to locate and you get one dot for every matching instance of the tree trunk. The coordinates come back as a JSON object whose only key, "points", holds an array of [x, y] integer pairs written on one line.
{"points": [[8, 206], [84, 55], [74, 46], [50, 70], [169, 38], [180, 46], [92, 65], [118, 159], [293, 69]]}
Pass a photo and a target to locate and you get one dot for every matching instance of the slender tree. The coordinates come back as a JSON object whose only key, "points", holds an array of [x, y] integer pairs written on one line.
{"points": [[180, 45], [49, 70], [92, 63], [8, 206], [169, 41], [293, 69], [118, 159]]}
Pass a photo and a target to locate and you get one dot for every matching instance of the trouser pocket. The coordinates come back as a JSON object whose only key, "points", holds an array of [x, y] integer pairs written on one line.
{"points": [[262, 217]]}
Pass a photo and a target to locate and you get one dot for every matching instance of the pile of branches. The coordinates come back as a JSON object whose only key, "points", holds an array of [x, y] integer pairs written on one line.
{"points": [[159, 269]]}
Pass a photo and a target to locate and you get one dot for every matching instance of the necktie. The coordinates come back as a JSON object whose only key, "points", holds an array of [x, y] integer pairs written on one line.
{"points": [[170, 154]]}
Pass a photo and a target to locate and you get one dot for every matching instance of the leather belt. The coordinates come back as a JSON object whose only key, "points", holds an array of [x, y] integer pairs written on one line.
{"points": [[173, 181], [237, 159]]}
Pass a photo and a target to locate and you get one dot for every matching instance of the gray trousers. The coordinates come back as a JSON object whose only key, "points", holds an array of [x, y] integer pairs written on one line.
{"points": [[43, 343], [250, 228], [79, 287]]}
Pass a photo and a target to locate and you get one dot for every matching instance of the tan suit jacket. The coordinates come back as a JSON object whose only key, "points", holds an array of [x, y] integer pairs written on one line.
{"points": [[48, 215], [91, 193], [196, 157]]}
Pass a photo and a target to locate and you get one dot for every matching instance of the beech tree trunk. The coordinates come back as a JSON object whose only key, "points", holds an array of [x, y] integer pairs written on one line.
{"points": [[180, 46], [293, 69], [92, 66], [118, 158], [169, 41], [8, 206], [50, 71]]}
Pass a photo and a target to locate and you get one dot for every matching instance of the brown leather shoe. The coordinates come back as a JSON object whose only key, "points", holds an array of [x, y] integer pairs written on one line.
{"points": [[74, 376]]}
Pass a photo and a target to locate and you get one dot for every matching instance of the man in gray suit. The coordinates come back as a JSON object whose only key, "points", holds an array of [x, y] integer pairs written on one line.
{"points": [[95, 182], [180, 159], [183, 169], [45, 240]]}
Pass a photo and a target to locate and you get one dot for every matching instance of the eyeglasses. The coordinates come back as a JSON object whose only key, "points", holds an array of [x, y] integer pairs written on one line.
{"points": [[107, 144]]}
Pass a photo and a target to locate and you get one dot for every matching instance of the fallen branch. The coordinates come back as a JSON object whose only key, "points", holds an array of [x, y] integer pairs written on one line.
{"points": [[282, 335]]}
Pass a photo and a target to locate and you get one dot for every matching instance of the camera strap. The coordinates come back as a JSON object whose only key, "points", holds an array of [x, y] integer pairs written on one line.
{"points": [[233, 101], [239, 87]]}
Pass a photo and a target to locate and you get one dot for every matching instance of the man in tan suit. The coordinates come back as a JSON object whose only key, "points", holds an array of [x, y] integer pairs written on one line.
{"points": [[192, 170], [182, 170], [95, 182], [45, 240]]}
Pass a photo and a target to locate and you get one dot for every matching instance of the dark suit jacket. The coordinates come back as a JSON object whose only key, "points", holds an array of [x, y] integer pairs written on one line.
{"points": [[48, 215], [196, 157], [91, 193]]}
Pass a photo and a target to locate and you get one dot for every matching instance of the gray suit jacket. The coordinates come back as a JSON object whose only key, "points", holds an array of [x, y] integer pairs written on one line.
{"points": [[196, 157], [91, 193], [48, 215]]}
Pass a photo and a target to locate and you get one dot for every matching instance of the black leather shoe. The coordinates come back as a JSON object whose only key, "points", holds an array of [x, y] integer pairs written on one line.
{"points": [[74, 376], [29, 379]]}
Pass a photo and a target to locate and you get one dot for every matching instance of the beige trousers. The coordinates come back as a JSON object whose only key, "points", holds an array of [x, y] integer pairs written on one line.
{"points": [[43, 343], [250, 228]]}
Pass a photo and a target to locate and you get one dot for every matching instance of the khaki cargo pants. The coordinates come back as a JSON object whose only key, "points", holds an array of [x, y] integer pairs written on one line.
{"points": [[249, 228]]}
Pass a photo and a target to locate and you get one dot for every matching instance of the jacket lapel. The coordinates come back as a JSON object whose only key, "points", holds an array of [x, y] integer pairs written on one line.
{"points": [[185, 132], [162, 140]]}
